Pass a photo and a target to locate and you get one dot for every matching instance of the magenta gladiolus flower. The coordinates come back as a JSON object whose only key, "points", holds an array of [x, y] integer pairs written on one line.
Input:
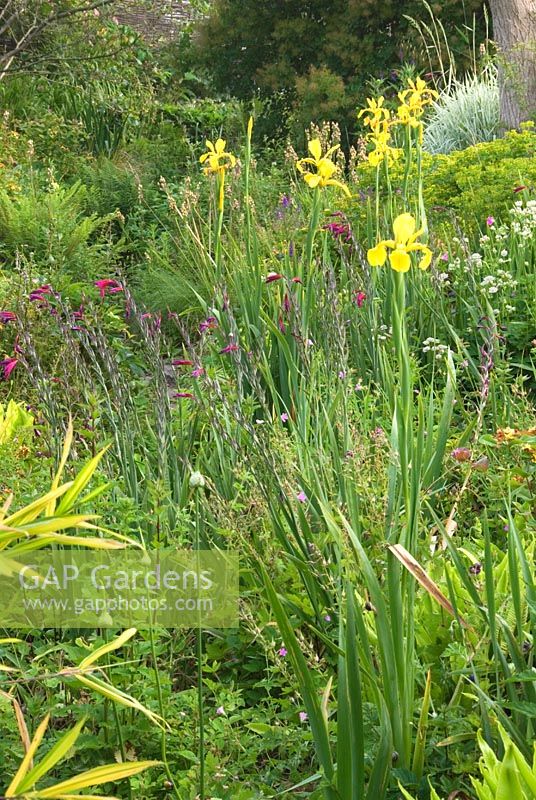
{"points": [[7, 316], [7, 366], [108, 286], [182, 362], [301, 496], [461, 454], [209, 324], [231, 348], [183, 394], [490, 221], [197, 372], [273, 276], [297, 280], [360, 298]]}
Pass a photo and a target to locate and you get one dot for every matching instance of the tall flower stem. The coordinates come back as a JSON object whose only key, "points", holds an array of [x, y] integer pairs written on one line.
{"points": [[220, 198], [311, 232], [199, 651]]}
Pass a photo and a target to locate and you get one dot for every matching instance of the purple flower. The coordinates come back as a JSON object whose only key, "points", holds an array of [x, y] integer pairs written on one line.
{"points": [[490, 221], [7, 316], [302, 497], [284, 417], [342, 374], [327, 618], [7, 366], [282, 652], [481, 464], [444, 256], [197, 372], [220, 711], [303, 716], [285, 201]]}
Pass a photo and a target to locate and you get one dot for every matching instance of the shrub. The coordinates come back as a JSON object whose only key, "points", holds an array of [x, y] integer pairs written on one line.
{"points": [[469, 114], [473, 182]]}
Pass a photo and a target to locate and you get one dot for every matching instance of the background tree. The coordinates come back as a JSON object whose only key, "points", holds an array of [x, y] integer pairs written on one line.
{"points": [[297, 48], [514, 31]]}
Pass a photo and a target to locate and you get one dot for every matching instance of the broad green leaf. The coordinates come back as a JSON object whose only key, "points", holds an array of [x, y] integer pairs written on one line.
{"points": [[107, 648], [32, 511], [49, 512], [26, 762], [96, 777], [55, 754], [80, 483]]}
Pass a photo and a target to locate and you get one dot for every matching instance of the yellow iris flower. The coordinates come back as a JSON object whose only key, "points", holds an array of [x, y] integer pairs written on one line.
{"points": [[218, 160], [217, 157], [375, 112], [380, 138], [404, 243], [324, 166], [413, 101]]}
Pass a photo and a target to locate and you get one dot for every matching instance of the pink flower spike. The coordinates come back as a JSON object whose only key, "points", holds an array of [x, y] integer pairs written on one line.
{"points": [[182, 362], [282, 652], [231, 348], [490, 221], [302, 497], [273, 276], [284, 417], [8, 365], [7, 316]]}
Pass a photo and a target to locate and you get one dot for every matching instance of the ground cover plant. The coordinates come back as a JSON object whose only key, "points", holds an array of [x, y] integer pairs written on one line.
{"points": [[319, 353]]}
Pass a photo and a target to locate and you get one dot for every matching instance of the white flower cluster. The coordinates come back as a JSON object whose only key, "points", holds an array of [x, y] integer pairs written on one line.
{"points": [[492, 284], [434, 346], [384, 332]]}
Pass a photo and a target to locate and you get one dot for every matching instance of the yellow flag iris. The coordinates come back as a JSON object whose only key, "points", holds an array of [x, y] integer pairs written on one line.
{"points": [[404, 243], [324, 166], [217, 160]]}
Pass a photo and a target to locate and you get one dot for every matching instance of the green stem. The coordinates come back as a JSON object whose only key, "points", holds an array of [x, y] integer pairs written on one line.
{"points": [[311, 233], [199, 648], [162, 712]]}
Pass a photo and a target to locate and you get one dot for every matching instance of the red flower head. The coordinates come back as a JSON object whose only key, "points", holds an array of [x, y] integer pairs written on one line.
{"points": [[108, 286]]}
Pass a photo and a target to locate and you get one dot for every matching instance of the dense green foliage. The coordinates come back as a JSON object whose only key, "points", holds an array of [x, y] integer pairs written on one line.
{"points": [[364, 438]]}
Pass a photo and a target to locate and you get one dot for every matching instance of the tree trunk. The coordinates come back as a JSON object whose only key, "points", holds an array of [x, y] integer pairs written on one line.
{"points": [[514, 31]]}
